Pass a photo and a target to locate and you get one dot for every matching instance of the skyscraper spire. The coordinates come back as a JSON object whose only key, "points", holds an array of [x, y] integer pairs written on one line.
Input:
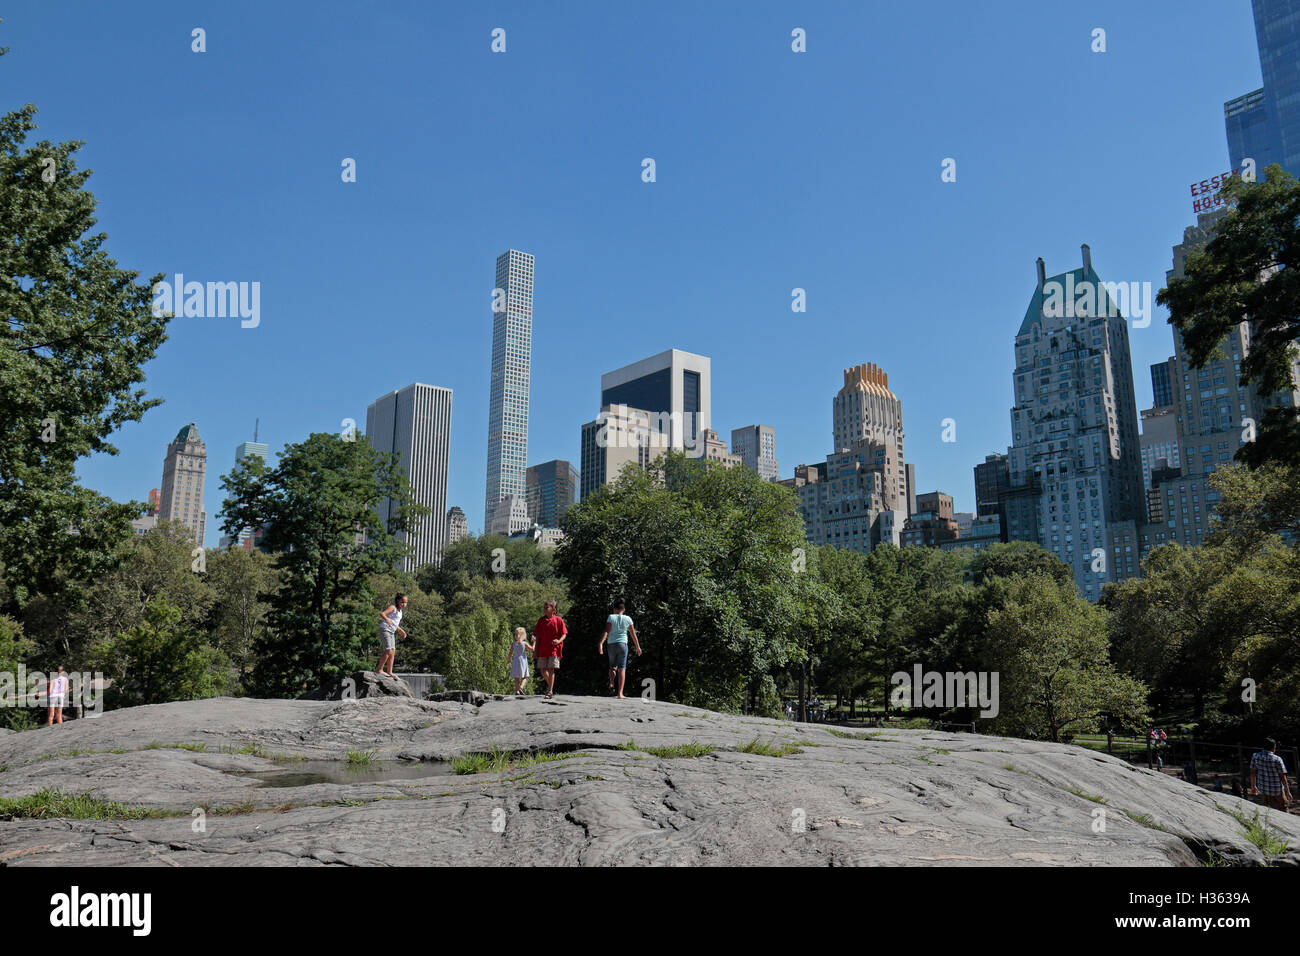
{"points": [[512, 350]]}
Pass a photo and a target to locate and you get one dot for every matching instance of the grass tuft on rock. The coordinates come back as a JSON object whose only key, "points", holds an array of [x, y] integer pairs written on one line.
{"points": [[53, 803], [1146, 820], [497, 760], [757, 746], [672, 752], [1258, 832]]}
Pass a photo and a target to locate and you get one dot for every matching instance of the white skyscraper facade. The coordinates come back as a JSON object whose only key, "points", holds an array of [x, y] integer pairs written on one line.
{"points": [[415, 424], [756, 446], [512, 348], [674, 387]]}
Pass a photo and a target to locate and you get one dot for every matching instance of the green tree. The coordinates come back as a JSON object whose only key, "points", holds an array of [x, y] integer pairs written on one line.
{"points": [[1017, 557], [1266, 591], [1176, 627], [158, 660], [14, 650], [488, 557], [845, 626], [319, 506], [77, 333], [241, 583], [1055, 677], [705, 558], [157, 564], [479, 657], [1249, 272], [917, 594], [1254, 505]]}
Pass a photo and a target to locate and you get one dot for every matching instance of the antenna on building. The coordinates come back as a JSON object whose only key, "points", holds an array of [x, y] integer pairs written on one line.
{"points": [[256, 423]]}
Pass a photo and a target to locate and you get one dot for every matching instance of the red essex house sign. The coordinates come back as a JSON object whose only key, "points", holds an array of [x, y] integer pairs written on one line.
{"points": [[1209, 190]]}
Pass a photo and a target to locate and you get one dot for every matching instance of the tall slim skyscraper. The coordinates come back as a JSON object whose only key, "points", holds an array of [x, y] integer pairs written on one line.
{"points": [[184, 468], [512, 356], [414, 423], [756, 446], [1265, 124], [1076, 473]]}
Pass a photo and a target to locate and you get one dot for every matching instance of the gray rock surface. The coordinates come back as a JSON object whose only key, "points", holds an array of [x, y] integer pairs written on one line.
{"points": [[362, 684], [888, 797]]}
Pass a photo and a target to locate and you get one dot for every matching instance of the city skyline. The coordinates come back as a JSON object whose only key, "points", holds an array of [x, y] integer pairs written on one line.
{"points": [[723, 287]]}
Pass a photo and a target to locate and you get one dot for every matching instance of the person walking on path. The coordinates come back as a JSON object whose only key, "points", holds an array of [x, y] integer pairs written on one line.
{"points": [[519, 652], [388, 633], [1268, 778], [549, 634], [617, 628], [58, 696]]}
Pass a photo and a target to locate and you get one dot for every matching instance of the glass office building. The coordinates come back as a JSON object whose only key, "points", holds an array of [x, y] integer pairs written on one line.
{"points": [[1265, 124]]}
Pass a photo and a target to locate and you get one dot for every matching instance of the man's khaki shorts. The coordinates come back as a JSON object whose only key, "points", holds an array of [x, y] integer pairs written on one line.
{"points": [[1275, 800], [548, 663]]}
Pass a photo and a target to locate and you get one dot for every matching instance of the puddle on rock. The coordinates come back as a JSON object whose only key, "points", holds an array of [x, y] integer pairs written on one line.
{"points": [[304, 773]]}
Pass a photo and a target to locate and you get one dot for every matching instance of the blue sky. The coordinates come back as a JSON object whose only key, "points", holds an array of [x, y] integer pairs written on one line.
{"points": [[775, 170]]}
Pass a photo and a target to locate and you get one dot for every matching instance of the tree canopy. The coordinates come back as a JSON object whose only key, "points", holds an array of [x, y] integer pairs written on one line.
{"points": [[77, 333]]}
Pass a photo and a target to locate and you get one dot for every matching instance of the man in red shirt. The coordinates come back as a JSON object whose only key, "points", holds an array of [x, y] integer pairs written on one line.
{"points": [[549, 634]]}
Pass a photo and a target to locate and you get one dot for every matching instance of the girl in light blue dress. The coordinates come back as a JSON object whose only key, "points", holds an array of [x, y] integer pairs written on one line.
{"points": [[519, 652]]}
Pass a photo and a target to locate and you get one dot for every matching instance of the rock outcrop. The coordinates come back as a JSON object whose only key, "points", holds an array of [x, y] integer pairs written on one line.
{"points": [[361, 684], [593, 781]]}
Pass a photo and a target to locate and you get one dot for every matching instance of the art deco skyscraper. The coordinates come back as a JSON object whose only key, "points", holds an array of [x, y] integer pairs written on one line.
{"points": [[860, 495], [865, 410], [1076, 471], [182, 485], [415, 423], [512, 349]]}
